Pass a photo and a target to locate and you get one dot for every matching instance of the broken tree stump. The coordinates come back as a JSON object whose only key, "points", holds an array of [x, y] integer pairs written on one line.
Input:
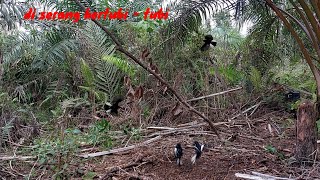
{"points": [[306, 133]]}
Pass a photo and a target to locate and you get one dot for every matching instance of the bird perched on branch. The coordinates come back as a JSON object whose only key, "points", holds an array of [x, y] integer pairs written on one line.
{"points": [[178, 153], [208, 40], [198, 151]]}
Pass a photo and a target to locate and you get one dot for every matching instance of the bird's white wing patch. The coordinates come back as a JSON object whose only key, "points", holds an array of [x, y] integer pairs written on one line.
{"points": [[202, 146], [193, 159]]}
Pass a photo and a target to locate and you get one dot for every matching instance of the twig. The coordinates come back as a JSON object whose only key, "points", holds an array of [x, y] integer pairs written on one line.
{"points": [[32, 169], [254, 110], [7, 171], [119, 149], [182, 129], [215, 94], [192, 125], [245, 111], [89, 149], [170, 88], [161, 128]]}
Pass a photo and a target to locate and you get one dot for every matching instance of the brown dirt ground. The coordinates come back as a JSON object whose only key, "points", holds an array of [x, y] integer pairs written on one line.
{"points": [[221, 159]]}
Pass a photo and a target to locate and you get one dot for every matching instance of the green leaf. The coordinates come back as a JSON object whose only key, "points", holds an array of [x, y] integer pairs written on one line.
{"points": [[271, 149], [149, 30], [87, 74], [123, 65]]}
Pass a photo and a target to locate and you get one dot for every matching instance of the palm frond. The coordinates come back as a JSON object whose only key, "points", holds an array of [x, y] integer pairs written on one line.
{"points": [[121, 64], [53, 51], [188, 16], [10, 13], [108, 79]]}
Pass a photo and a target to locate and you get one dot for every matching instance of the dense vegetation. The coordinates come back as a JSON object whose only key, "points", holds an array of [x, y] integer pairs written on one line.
{"points": [[58, 76]]}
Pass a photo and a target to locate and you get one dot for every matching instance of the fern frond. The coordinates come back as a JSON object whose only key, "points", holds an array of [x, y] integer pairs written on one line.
{"points": [[87, 74], [108, 79], [121, 64]]}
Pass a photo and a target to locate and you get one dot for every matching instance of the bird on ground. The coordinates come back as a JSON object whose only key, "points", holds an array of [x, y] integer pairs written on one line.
{"points": [[208, 40], [292, 96], [113, 108], [178, 153], [198, 151]]}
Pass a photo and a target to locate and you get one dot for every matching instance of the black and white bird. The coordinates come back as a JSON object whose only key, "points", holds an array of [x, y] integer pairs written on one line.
{"points": [[198, 151], [113, 108], [208, 40], [178, 153], [292, 96]]}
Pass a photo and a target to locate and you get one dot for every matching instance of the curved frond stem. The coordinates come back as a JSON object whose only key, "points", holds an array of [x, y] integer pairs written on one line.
{"points": [[306, 27], [305, 52], [316, 6], [314, 23]]}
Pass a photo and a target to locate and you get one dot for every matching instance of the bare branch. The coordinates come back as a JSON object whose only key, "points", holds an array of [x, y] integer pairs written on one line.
{"points": [[215, 94]]}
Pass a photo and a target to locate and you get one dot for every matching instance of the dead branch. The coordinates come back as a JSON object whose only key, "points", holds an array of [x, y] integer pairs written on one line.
{"points": [[215, 94], [185, 129], [119, 149], [242, 112], [21, 158], [121, 49], [161, 128], [260, 176], [255, 109]]}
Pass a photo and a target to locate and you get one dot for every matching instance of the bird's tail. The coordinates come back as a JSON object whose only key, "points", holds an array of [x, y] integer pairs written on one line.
{"points": [[193, 159], [179, 162], [214, 43]]}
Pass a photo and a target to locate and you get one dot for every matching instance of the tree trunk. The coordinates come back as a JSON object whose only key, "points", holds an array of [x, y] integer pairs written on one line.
{"points": [[306, 133], [1, 66]]}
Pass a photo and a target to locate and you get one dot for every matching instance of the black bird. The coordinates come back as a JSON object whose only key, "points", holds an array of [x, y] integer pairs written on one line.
{"points": [[198, 149], [178, 153], [113, 109], [292, 96], [207, 42]]}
